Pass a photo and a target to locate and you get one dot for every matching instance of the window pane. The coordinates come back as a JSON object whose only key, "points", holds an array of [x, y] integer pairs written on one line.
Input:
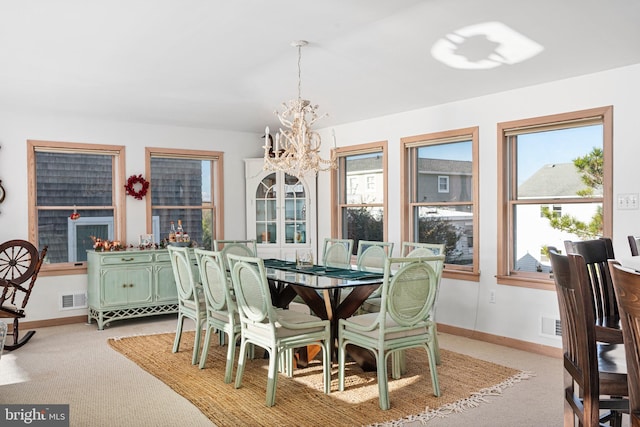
{"points": [[67, 179], [364, 178], [534, 232], [56, 230], [363, 224], [177, 182], [545, 162], [451, 226], [198, 223], [444, 172]]}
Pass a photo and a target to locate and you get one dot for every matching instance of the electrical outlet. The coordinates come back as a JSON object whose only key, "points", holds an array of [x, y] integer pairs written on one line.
{"points": [[492, 297], [628, 201]]}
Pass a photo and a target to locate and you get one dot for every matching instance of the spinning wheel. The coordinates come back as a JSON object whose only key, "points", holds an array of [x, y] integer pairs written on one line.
{"points": [[19, 262], [18, 259]]}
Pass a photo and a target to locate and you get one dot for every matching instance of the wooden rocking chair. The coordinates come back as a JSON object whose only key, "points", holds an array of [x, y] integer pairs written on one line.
{"points": [[19, 262]]}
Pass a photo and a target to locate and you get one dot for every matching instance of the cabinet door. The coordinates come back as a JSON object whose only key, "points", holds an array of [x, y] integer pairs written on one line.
{"points": [[295, 210], [266, 204], [125, 286]]}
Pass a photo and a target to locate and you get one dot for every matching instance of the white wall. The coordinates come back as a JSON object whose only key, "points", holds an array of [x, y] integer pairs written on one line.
{"points": [[16, 129], [517, 311]]}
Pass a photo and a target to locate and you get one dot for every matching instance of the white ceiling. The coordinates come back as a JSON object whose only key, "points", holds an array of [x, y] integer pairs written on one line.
{"points": [[229, 64]]}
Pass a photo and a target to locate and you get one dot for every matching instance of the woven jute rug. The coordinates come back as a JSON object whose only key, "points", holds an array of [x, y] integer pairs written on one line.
{"points": [[464, 383]]}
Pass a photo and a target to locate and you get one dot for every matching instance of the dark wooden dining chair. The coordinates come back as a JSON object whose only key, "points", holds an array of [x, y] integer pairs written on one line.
{"points": [[19, 263], [634, 242], [626, 283], [596, 254], [593, 372]]}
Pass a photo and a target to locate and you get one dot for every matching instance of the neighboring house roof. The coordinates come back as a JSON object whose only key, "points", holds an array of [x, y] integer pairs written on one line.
{"points": [[441, 166], [553, 180], [529, 263], [364, 164]]}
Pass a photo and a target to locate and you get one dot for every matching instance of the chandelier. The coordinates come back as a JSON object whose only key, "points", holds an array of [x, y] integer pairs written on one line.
{"points": [[297, 146]]}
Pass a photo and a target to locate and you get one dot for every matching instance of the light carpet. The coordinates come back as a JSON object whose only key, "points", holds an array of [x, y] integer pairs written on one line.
{"points": [[464, 383]]}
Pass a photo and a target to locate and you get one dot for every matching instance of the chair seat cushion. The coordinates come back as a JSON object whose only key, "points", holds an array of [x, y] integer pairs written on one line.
{"points": [[190, 304], [297, 318], [223, 315], [369, 318], [372, 305]]}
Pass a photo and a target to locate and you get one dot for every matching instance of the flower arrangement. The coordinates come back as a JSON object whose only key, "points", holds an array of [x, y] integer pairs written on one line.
{"points": [[137, 186], [100, 245]]}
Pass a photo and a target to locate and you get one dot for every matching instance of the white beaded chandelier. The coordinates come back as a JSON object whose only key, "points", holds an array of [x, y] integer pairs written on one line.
{"points": [[297, 146]]}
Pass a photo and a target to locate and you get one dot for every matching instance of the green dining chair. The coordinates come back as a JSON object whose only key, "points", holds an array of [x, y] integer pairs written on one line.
{"points": [[337, 252], [191, 303], [277, 331], [402, 323], [221, 309]]}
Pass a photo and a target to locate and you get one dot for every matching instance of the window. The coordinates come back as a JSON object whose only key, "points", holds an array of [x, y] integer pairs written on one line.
{"points": [[186, 185], [555, 187], [440, 196], [66, 176], [443, 184], [359, 213], [371, 183]]}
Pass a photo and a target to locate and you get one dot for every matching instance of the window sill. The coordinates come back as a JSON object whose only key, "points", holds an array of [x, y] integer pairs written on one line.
{"points": [[461, 275], [545, 284], [65, 269]]}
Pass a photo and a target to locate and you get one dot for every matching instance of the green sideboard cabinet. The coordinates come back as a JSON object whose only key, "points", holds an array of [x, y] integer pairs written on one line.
{"points": [[128, 284]]}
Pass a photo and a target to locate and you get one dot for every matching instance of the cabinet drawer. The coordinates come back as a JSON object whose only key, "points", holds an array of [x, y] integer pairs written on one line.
{"points": [[126, 258], [163, 256]]}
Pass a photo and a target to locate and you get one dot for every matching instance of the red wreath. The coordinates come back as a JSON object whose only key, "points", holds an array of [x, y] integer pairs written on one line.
{"points": [[131, 186]]}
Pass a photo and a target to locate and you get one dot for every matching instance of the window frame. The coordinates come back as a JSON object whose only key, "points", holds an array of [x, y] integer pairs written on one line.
{"points": [[118, 197], [338, 195], [506, 202], [452, 271], [217, 188]]}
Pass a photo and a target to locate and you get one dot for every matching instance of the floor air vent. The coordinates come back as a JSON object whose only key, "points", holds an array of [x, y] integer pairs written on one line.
{"points": [[73, 301], [551, 327]]}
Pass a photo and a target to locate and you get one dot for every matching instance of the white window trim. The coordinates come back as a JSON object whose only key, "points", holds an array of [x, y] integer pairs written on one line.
{"points": [[90, 220], [445, 178]]}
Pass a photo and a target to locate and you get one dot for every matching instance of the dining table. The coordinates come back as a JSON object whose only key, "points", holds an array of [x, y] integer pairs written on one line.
{"points": [[322, 288]]}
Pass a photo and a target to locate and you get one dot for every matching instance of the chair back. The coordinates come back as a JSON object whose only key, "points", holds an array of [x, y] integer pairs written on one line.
{"points": [[578, 330], [337, 252], [626, 283], [217, 291], [236, 247], [253, 297], [596, 254], [409, 293], [634, 243], [371, 256], [183, 275], [421, 249]]}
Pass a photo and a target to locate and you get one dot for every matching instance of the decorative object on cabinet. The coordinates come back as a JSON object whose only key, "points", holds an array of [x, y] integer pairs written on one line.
{"points": [[297, 146], [281, 213], [137, 186], [128, 284], [19, 262]]}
